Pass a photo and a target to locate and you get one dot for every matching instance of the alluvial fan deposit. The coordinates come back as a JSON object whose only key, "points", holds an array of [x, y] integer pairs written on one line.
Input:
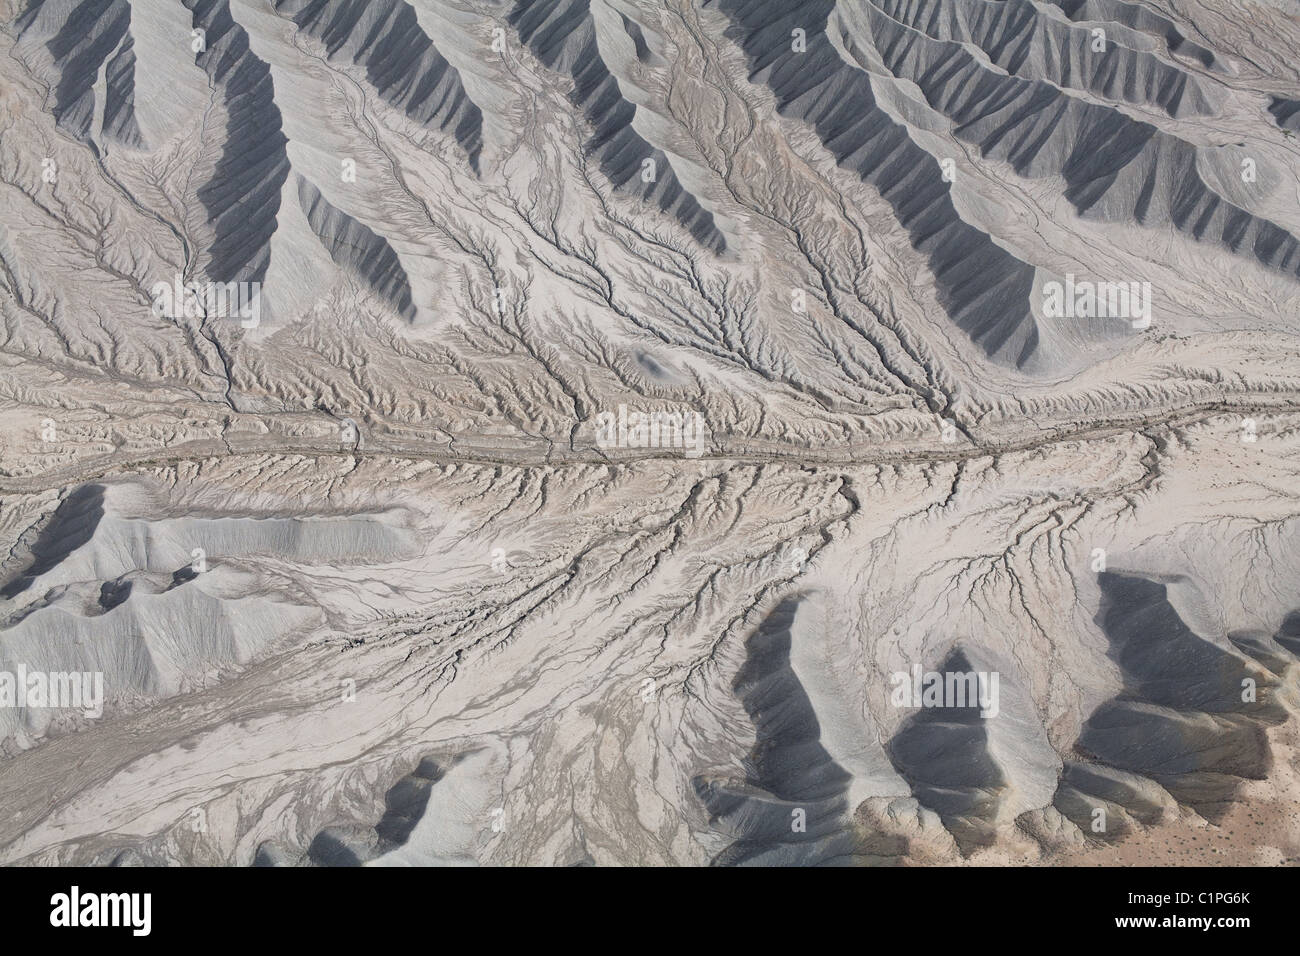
{"points": [[656, 432]]}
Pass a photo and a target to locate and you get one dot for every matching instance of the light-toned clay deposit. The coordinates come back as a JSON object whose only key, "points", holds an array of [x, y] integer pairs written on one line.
{"points": [[649, 432]]}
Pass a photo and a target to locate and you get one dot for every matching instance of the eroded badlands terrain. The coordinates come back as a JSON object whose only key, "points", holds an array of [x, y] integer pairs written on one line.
{"points": [[376, 560]]}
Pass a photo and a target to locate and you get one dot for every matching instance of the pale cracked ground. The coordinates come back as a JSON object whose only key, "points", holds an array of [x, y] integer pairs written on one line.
{"points": [[436, 621]]}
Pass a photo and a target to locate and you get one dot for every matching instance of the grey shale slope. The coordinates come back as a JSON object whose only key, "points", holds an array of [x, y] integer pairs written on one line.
{"points": [[584, 432]]}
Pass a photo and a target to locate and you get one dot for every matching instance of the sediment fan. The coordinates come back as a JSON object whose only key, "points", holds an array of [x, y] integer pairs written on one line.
{"points": [[894, 554]]}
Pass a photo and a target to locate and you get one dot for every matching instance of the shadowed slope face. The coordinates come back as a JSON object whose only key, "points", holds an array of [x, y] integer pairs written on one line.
{"points": [[242, 195], [792, 806], [1026, 101], [943, 753], [562, 35], [1142, 19], [400, 61], [404, 804], [1286, 112], [1191, 717], [1114, 167], [1289, 634], [984, 289], [93, 36], [358, 249], [72, 525]]}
